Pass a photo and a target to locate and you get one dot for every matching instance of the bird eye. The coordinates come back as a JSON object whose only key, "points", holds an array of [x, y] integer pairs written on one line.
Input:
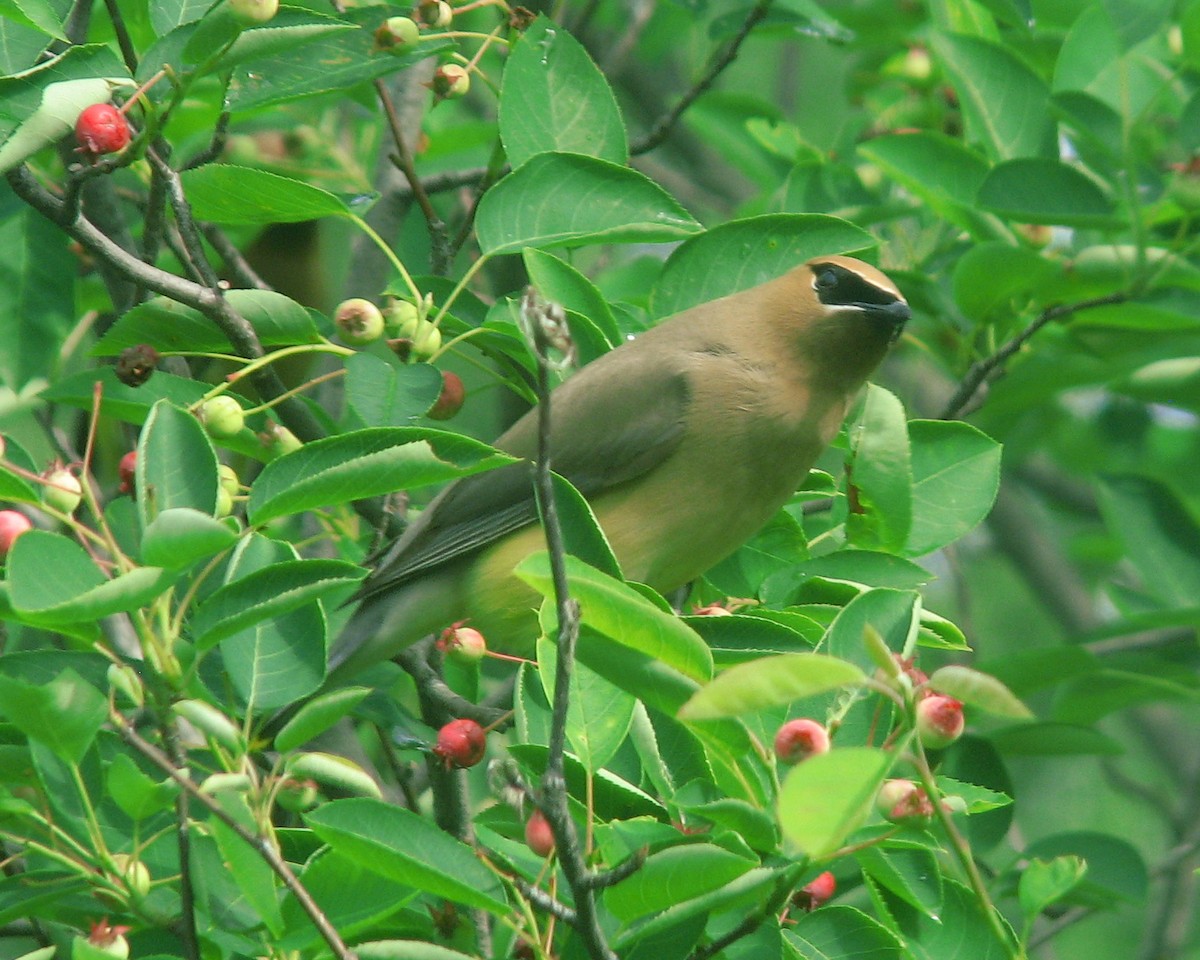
{"points": [[826, 280]]}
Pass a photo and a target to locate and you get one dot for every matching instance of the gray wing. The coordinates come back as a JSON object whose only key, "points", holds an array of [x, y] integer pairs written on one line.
{"points": [[615, 420]]}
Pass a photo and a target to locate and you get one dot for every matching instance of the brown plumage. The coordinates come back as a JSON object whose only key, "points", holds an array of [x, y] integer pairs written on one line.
{"points": [[685, 441]]}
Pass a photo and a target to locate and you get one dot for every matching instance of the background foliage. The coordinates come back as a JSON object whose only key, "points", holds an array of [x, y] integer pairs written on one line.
{"points": [[1024, 169]]}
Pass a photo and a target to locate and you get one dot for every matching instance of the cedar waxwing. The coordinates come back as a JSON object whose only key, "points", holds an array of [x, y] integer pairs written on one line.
{"points": [[685, 441]]}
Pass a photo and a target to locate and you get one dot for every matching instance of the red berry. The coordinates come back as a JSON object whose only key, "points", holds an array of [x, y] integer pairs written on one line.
{"points": [[816, 892], [12, 525], [450, 400], [125, 470], [101, 128], [800, 739], [464, 644], [538, 835], [461, 743], [940, 721]]}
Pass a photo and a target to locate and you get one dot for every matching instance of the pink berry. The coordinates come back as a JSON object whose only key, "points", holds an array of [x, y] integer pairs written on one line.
{"points": [[461, 743], [463, 644], [125, 470], [816, 892], [450, 400], [12, 525], [101, 128], [800, 739], [940, 721], [903, 801], [538, 835]]}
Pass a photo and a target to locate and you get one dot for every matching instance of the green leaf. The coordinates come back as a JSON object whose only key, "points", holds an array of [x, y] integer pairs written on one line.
{"points": [[54, 582], [1006, 104], [170, 327], [353, 898], [598, 714], [879, 475], [582, 536], [564, 199], [385, 394], [741, 254], [892, 614], [288, 29], [671, 926], [37, 279], [956, 475], [1116, 871], [135, 793], [554, 98], [624, 615], [1053, 740], [1046, 882], [768, 682], [129, 404], [64, 714], [1038, 190], [281, 659], [911, 874], [317, 716], [270, 592], [828, 796], [225, 193], [407, 847], [364, 463], [176, 464], [559, 281], [181, 536], [16, 489], [942, 172], [838, 930], [672, 876], [1159, 533], [252, 874], [405, 950], [1175, 380], [978, 689], [333, 62], [994, 281]]}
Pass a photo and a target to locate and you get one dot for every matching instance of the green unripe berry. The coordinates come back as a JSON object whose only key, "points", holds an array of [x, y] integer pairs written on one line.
{"points": [[222, 416], [401, 318], [358, 321], [62, 491], [251, 12], [451, 81]]}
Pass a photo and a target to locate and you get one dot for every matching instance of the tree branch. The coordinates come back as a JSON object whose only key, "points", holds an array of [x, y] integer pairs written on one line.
{"points": [[663, 127], [261, 845], [554, 784], [988, 367]]}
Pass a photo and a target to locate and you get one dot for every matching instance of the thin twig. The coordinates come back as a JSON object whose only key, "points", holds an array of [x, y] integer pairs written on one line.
{"points": [[982, 370], [543, 901], [782, 891], [429, 682], [404, 159], [183, 842], [261, 845], [666, 124], [554, 784]]}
